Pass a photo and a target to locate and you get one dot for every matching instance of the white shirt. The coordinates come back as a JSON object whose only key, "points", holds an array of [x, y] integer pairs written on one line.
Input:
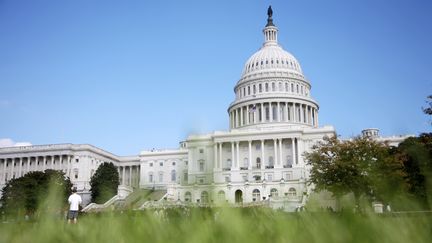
{"points": [[74, 200]]}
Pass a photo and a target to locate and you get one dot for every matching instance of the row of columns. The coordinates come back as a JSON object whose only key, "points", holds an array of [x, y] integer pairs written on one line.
{"points": [[235, 153], [14, 167], [285, 112], [129, 169]]}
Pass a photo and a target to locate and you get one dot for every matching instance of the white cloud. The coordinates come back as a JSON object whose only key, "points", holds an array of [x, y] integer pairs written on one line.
{"points": [[7, 142]]}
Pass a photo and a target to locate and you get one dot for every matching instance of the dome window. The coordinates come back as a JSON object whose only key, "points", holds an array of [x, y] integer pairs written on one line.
{"points": [[266, 61], [262, 62], [277, 61], [271, 61], [283, 62]]}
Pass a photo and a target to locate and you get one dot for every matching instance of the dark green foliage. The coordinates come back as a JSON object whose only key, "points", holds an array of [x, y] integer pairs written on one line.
{"points": [[417, 155], [24, 195], [104, 183], [360, 166], [428, 109]]}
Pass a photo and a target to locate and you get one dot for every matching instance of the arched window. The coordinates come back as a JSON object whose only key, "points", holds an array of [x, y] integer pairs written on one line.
{"points": [[260, 88], [150, 176], [273, 87], [258, 162], [274, 193], [266, 87], [292, 192], [254, 89], [76, 173], [204, 197], [221, 196], [188, 197], [292, 87], [248, 90], [286, 87], [280, 87], [173, 175], [256, 196]]}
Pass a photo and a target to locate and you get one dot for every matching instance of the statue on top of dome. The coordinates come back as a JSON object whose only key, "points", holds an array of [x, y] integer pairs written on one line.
{"points": [[269, 12], [270, 15]]}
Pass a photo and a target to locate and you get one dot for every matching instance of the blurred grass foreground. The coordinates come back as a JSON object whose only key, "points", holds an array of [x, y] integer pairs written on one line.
{"points": [[220, 224]]}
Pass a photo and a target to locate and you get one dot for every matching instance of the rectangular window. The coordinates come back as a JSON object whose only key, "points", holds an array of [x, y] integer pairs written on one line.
{"points": [[160, 163], [227, 179], [201, 166], [185, 176], [201, 151], [160, 177]]}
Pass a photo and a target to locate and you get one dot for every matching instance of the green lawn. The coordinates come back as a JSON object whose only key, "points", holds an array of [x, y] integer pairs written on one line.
{"points": [[223, 225]]}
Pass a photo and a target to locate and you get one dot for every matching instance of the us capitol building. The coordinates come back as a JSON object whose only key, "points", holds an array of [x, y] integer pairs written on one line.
{"points": [[273, 120]]}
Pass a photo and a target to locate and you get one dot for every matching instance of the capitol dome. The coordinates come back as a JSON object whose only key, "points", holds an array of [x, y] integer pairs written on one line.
{"points": [[269, 59], [272, 89]]}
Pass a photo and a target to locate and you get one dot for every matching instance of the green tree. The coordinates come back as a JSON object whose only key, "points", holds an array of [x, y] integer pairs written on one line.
{"points": [[104, 183], [26, 194], [361, 166], [417, 155]]}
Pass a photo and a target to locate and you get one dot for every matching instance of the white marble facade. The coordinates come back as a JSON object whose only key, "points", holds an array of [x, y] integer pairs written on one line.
{"points": [[273, 121]]}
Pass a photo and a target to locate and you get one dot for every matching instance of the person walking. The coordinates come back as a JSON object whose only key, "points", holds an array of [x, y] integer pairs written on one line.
{"points": [[74, 202]]}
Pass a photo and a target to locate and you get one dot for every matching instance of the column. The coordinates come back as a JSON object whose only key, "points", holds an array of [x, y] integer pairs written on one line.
{"points": [[43, 163], [270, 112], [69, 159], [232, 154], [12, 167], [313, 117], [294, 113], [236, 118], [262, 154], [280, 152], [241, 116], [130, 175], [278, 112], [20, 167], [255, 114], [262, 113], [250, 155], [123, 175], [276, 160], [215, 156], [294, 160], [28, 164], [247, 115], [4, 171], [301, 113], [220, 155], [286, 111], [237, 163]]}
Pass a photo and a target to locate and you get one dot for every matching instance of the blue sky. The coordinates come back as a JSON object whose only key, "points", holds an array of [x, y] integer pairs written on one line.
{"points": [[133, 75]]}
